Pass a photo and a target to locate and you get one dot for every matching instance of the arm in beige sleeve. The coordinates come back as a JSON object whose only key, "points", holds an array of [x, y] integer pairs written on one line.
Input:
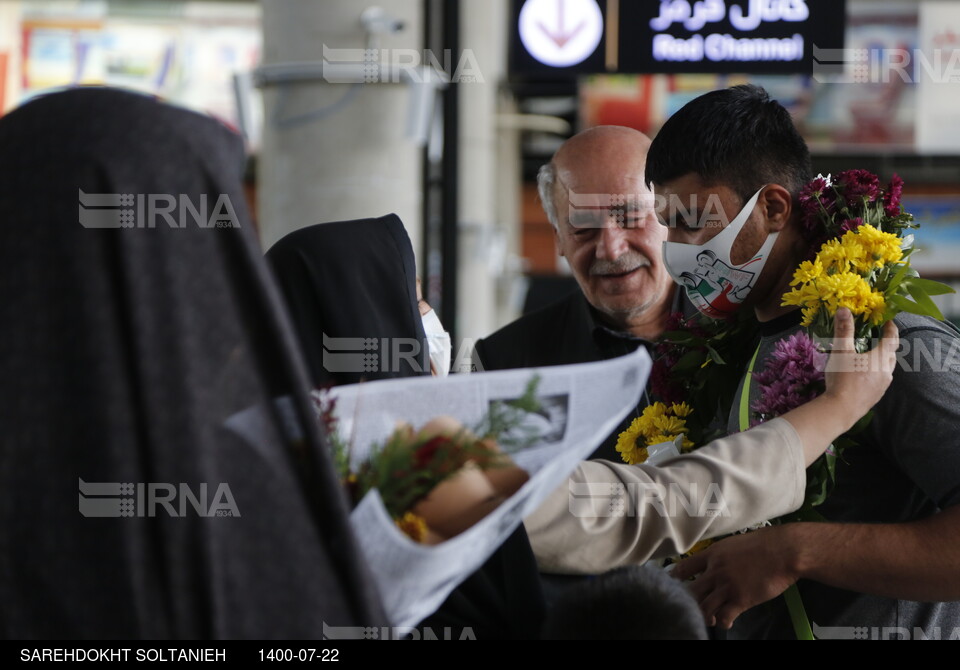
{"points": [[611, 514]]}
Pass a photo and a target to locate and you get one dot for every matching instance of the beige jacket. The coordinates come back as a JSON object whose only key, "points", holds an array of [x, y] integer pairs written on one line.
{"points": [[612, 514]]}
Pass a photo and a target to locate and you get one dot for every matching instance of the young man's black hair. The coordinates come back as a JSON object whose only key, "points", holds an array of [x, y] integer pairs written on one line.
{"points": [[738, 137]]}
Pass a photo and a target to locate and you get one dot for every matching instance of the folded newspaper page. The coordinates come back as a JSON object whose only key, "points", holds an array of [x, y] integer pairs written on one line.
{"points": [[580, 406]]}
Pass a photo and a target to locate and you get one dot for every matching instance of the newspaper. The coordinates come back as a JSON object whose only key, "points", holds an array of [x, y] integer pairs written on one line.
{"points": [[580, 406]]}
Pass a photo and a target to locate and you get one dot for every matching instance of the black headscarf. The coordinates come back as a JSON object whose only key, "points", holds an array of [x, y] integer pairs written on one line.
{"points": [[353, 279], [125, 356]]}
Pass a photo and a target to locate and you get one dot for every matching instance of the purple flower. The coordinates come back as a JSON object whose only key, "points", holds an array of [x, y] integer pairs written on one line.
{"points": [[675, 321], [858, 184], [891, 199], [660, 382], [793, 376], [816, 193], [817, 200]]}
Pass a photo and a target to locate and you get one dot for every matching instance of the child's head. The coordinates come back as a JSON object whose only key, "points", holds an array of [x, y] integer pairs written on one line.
{"points": [[632, 603]]}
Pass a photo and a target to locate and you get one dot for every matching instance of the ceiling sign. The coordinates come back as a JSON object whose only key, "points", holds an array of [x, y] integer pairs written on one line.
{"points": [[563, 37], [560, 33]]}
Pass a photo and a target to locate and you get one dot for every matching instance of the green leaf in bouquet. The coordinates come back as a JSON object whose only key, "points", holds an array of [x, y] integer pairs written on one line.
{"points": [[822, 476], [922, 299], [898, 277], [715, 356], [861, 424], [931, 287], [891, 311], [904, 304], [690, 361], [407, 467], [685, 338], [817, 485]]}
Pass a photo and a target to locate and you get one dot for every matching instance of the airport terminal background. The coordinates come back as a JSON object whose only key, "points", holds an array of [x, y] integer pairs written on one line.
{"points": [[436, 109]]}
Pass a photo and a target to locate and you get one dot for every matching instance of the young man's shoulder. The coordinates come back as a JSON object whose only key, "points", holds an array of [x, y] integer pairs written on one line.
{"points": [[914, 326]]}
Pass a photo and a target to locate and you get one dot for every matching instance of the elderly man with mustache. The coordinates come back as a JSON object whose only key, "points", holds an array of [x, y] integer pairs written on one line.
{"points": [[594, 194]]}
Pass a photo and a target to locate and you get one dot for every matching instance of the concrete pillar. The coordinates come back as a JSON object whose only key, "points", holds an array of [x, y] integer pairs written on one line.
{"points": [[482, 242], [355, 160]]}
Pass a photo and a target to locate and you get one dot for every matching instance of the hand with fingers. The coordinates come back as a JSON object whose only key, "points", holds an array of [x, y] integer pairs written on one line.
{"points": [[858, 381], [738, 573]]}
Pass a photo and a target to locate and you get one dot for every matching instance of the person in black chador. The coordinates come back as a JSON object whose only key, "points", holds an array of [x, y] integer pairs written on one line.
{"points": [[128, 353]]}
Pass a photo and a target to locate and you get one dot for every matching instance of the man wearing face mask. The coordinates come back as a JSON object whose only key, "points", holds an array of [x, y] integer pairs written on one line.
{"points": [[887, 557], [594, 194]]}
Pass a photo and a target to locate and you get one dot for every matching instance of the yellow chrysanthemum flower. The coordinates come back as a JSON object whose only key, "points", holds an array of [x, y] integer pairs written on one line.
{"points": [[880, 248], [627, 442], [838, 276], [669, 425], [807, 272], [833, 257], [658, 423], [858, 260], [654, 410], [876, 308], [698, 547], [844, 289], [805, 295], [413, 526], [809, 314]]}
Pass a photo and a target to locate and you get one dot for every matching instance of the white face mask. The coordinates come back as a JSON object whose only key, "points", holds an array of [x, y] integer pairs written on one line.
{"points": [[438, 343], [714, 284]]}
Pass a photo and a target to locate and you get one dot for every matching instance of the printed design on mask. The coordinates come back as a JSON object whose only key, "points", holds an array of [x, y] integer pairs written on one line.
{"points": [[715, 288], [716, 285]]}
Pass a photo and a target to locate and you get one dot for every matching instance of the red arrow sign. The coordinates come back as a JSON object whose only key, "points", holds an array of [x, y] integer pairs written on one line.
{"points": [[560, 36]]}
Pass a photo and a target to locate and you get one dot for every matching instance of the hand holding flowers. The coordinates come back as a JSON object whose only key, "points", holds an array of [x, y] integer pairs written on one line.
{"points": [[863, 262]]}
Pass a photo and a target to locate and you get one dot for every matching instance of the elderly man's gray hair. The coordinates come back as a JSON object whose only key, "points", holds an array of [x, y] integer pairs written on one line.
{"points": [[546, 180]]}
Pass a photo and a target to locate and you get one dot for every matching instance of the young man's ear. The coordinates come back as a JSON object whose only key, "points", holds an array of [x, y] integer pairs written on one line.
{"points": [[777, 204]]}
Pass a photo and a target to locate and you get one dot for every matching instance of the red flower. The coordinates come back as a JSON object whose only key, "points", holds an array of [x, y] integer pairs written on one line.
{"points": [[675, 321], [815, 193], [425, 453], [661, 382], [815, 198], [891, 199], [858, 184]]}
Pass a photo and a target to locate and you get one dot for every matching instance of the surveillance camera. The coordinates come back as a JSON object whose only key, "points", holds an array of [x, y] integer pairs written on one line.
{"points": [[376, 21]]}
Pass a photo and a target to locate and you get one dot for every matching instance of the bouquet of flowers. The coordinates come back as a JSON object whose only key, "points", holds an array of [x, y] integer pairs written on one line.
{"points": [[438, 481], [659, 423], [697, 367], [794, 375], [863, 262]]}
